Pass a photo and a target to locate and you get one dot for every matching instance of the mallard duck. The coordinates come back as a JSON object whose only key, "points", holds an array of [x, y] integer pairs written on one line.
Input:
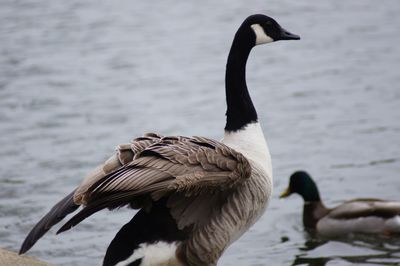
{"points": [[195, 195], [354, 216]]}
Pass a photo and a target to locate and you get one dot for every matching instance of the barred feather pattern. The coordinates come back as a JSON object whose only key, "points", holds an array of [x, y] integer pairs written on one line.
{"points": [[125, 154], [229, 221], [192, 165]]}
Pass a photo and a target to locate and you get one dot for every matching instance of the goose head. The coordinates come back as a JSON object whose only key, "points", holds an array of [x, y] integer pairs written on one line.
{"points": [[302, 184], [255, 29], [264, 29]]}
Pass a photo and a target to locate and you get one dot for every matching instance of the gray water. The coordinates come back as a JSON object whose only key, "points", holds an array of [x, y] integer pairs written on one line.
{"points": [[79, 77]]}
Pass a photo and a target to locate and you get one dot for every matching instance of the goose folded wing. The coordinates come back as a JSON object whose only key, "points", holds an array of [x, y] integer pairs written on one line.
{"points": [[189, 167]]}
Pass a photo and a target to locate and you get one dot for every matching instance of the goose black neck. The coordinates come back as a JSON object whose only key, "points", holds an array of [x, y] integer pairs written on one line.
{"points": [[240, 108]]}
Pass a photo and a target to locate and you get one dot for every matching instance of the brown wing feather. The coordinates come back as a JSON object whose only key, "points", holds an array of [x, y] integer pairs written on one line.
{"points": [[188, 166], [125, 153]]}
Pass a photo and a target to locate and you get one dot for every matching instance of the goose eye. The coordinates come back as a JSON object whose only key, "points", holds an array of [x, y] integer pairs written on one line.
{"points": [[268, 23]]}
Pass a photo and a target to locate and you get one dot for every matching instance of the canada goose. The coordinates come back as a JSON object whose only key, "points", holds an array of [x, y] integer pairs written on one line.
{"points": [[196, 195], [354, 216]]}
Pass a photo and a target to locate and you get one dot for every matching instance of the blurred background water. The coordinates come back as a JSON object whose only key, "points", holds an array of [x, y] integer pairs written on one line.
{"points": [[79, 77]]}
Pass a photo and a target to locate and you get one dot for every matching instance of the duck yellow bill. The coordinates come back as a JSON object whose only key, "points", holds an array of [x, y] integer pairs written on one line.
{"points": [[285, 193]]}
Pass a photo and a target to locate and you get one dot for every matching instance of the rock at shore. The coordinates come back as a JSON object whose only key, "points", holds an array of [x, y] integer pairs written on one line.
{"points": [[8, 258]]}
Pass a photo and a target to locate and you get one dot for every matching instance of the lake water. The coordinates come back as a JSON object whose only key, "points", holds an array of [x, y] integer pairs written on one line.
{"points": [[79, 77]]}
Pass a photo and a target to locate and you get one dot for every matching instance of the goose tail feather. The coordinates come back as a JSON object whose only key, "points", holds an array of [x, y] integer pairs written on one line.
{"points": [[56, 214]]}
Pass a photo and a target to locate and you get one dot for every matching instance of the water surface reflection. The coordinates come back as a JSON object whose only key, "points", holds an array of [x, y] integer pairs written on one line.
{"points": [[354, 249]]}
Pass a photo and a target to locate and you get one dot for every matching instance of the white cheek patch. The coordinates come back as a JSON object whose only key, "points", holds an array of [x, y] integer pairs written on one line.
{"points": [[261, 36]]}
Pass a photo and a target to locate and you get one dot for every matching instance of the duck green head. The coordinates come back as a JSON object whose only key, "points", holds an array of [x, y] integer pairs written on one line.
{"points": [[302, 184]]}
